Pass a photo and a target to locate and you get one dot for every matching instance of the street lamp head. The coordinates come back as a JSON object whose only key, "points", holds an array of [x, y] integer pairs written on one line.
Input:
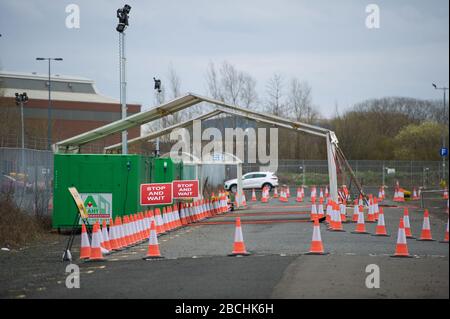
{"points": [[434, 85], [40, 59], [58, 59]]}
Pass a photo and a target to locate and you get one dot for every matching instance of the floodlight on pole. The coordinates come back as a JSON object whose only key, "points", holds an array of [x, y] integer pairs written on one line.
{"points": [[21, 99], [157, 88], [122, 15]]}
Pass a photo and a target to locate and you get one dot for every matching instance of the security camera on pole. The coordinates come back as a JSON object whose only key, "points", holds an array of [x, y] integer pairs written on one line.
{"points": [[158, 90], [122, 15]]}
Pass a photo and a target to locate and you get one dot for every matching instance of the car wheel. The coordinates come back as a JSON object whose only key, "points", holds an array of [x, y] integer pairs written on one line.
{"points": [[233, 188], [268, 185]]}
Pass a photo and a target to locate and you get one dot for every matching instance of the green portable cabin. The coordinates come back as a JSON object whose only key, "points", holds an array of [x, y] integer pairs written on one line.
{"points": [[108, 184]]}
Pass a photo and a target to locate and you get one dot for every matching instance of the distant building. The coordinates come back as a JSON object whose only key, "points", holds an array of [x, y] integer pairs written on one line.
{"points": [[77, 107]]}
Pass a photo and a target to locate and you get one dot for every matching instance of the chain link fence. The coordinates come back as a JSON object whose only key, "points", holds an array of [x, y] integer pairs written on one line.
{"points": [[27, 175], [424, 174]]}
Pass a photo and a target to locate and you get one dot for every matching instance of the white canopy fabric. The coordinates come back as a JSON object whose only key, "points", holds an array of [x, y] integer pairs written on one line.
{"points": [[72, 144]]}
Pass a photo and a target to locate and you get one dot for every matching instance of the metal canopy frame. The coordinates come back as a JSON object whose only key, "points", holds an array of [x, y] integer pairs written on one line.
{"points": [[73, 144]]}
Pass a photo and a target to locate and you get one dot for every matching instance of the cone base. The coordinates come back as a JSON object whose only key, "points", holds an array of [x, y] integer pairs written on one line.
{"points": [[152, 257], [401, 256], [410, 237], [443, 242], [319, 254], [424, 239], [94, 260], [336, 230], [359, 232], [239, 254], [382, 235]]}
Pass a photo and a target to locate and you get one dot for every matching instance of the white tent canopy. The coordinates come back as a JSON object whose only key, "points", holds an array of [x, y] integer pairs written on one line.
{"points": [[73, 144]]}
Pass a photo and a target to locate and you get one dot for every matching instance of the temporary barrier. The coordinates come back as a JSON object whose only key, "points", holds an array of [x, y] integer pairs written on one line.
{"points": [[108, 184]]}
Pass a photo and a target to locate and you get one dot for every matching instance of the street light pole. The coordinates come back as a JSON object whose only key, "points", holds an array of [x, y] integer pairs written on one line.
{"points": [[49, 109], [444, 89]]}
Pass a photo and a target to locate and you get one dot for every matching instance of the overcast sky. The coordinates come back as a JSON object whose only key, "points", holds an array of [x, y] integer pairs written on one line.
{"points": [[325, 42]]}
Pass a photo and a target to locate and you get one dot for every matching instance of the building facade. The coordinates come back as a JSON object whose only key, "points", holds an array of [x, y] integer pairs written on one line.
{"points": [[76, 107]]}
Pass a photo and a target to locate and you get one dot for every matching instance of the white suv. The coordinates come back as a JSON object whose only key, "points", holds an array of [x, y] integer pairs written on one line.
{"points": [[253, 180]]}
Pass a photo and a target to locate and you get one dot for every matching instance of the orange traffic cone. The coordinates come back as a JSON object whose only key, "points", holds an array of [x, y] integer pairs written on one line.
{"points": [[96, 250], [253, 195], [446, 235], [316, 243], [343, 212], [445, 194], [85, 249], [120, 233], [360, 225], [376, 208], [401, 249], [244, 201], [426, 229], [264, 197], [406, 224], [153, 247], [283, 196], [320, 211], [105, 236], [239, 246], [313, 215], [336, 222], [275, 192], [401, 195], [329, 211], [160, 229], [380, 230], [113, 235], [355, 212], [313, 193], [371, 213], [299, 198]]}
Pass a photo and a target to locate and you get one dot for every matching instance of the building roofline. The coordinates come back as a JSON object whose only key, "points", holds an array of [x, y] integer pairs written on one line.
{"points": [[40, 76]]}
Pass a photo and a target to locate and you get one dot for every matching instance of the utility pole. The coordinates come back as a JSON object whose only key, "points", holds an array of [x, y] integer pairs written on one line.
{"points": [[122, 15]]}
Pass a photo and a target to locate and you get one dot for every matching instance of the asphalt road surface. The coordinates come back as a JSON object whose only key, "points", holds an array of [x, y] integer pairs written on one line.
{"points": [[277, 234]]}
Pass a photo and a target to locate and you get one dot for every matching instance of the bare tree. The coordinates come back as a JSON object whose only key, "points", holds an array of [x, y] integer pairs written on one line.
{"points": [[275, 102], [174, 89], [213, 82], [232, 82], [299, 100], [249, 97]]}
